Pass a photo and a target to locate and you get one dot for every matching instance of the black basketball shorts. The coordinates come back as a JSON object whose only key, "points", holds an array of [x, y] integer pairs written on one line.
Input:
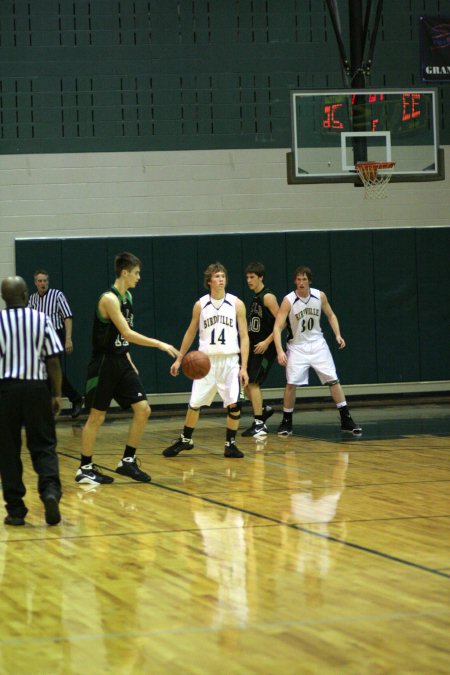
{"points": [[111, 376], [259, 365]]}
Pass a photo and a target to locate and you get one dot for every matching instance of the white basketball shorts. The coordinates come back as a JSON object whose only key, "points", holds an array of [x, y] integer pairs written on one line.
{"points": [[316, 355], [223, 378]]}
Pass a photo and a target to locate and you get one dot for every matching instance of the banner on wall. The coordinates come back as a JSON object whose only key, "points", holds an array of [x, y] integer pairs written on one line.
{"points": [[435, 49]]}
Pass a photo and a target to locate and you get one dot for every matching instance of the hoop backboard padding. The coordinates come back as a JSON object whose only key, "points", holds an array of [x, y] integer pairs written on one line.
{"points": [[375, 177], [333, 130]]}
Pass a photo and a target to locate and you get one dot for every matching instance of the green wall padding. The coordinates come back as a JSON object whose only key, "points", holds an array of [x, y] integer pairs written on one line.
{"points": [[388, 288], [433, 284], [396, 311], [353, 299]]}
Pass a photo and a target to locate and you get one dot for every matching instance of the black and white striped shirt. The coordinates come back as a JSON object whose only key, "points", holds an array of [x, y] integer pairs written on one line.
{"points": [[27, 338], [54, 304]]}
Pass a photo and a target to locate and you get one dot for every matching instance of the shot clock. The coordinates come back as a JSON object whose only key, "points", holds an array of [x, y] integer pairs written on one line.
{"points": [[405, 112]]}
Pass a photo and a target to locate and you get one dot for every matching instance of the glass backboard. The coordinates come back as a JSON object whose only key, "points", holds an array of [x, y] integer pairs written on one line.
{"points": [[332, 130]]}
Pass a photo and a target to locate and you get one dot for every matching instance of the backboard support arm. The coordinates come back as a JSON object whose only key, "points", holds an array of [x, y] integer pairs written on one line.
{"points": [[335, 20]]}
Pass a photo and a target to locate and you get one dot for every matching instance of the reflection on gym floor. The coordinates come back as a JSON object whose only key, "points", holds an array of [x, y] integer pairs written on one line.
{"points": [[305, 556]]}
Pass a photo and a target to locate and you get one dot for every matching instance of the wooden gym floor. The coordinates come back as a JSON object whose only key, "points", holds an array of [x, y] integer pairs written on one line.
{"points": [[314, 554]]}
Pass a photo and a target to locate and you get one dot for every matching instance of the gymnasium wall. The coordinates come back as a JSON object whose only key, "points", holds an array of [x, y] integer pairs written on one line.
{"points": [[388, 287], [169, 121], [108, 75]]}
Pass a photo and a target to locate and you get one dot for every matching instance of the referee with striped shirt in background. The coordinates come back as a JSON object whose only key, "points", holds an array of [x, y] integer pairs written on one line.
{"points": [[53, 303], [29, 352]]}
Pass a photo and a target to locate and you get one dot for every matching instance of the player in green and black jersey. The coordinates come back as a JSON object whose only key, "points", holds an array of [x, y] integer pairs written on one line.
{"points": [[263, 310], [112, 373], [106, 339]]}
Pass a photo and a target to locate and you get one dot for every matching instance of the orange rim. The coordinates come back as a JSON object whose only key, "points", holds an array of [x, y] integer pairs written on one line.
{"points": [[374, 166]]}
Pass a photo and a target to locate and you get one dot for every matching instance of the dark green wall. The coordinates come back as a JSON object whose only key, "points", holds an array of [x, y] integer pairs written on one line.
{"points": [[102, 75], [389, 289]]}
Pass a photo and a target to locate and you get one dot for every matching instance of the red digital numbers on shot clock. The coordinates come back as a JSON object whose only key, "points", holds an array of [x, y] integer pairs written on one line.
{"points": [[331, 114], [335, 114], [411, 106]]}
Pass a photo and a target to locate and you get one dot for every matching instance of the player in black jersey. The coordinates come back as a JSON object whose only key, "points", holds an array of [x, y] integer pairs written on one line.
{"points": [[263, 310], [112, 373]]}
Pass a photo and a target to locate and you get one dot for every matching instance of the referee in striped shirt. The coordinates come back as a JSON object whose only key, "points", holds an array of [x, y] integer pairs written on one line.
{"points": [[29, 351], [53, 303]]}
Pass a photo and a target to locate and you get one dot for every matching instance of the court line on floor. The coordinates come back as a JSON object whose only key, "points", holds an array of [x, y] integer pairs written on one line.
{"points": [[263, 625], [295, 526]]}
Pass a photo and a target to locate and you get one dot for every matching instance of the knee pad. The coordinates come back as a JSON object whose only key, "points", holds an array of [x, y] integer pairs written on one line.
{"points": [[332, 383], [234, 411]]}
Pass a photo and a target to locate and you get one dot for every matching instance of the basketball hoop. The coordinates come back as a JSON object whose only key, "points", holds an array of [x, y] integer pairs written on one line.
{"points": [[375, 176]]}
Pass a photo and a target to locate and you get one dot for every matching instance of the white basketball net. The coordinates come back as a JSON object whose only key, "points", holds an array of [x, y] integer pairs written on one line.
{"points": [[375, 177]]}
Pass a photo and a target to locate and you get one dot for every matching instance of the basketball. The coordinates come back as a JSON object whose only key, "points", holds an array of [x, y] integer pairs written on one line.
{"points": [[195, 365]]}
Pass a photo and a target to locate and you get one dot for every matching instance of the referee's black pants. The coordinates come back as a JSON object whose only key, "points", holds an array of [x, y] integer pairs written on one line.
{"points": [[67, 388], [26, 404]]}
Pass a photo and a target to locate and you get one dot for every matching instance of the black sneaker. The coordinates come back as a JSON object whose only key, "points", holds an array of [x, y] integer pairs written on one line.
{"points": [[14, 520], [267, 412], [349, 426], [231, 450], [257, 430], [129, 467], [51, 506], [91, 474], [180, 444], [285, 429]]}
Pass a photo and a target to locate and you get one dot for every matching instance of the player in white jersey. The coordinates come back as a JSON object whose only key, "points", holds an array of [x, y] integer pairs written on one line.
{"points": [[306, 348], [219, 318]]}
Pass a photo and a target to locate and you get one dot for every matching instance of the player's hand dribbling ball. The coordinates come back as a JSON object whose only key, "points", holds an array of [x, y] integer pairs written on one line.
{"points": [[195, 365]]}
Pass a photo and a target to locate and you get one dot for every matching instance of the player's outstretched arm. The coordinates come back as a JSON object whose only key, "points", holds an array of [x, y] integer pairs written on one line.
{"points": [[166, 347], [109, 308]]}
